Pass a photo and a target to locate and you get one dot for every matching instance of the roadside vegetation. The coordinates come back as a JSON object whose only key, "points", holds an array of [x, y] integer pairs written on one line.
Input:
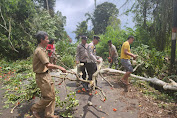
{"points": [[21, 19]]}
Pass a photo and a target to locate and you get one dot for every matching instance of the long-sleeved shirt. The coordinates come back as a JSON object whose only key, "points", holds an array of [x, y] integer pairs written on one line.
{"points": [[81, 55], [91, 50]]}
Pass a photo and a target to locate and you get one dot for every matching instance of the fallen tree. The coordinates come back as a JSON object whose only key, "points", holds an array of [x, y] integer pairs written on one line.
{"points": [[75, 75], [156, 81]]}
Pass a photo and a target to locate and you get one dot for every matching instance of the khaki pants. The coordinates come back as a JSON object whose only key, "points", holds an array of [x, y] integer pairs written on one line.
{"points": [[47, 102]]}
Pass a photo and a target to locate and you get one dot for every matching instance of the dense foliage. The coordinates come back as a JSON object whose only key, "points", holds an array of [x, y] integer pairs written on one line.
{"points": [[154, 19], [152, 62], [20, 86], [19, 22], [21, 19], [66, 52], [81, 30]]}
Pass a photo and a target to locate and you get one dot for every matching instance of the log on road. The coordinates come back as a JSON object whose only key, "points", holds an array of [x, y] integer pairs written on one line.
{"points": [[156, 81]]}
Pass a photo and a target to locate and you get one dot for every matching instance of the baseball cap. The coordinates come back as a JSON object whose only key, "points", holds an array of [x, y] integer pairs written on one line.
{"points": [[84, 38]]}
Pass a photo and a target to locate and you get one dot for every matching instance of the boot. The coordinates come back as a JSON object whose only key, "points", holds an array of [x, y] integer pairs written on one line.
{"points": [[85, 85]]}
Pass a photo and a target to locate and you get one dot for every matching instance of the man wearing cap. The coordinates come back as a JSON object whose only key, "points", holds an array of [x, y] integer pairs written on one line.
{"points": [[92, 57], [125, 59], [41, 65], [113, 55], [82, 57]]}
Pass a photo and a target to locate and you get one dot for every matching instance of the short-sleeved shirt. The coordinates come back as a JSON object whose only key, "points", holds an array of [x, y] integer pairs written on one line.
{"points": [[82, 55], [40, 59], [112, 48], [125, 45]]}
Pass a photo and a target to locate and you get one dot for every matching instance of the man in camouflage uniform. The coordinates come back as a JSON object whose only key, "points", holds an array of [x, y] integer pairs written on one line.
{"points": [[113, 55], [43, 79]]}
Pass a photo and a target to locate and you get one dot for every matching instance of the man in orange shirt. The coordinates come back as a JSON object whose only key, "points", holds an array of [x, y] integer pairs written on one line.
{"points": [[125, 59]]}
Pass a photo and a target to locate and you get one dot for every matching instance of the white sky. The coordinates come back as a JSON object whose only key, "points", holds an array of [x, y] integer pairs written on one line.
{"points": [[75, 11]]}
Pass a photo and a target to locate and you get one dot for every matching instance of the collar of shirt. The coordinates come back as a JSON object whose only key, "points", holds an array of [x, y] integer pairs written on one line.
{"points": [[42, 47], [92, 43], [85, 46]]}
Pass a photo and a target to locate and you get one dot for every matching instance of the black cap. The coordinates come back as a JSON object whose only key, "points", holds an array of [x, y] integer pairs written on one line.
{"points": [[109, 41], [96, 37], [84, 38]]}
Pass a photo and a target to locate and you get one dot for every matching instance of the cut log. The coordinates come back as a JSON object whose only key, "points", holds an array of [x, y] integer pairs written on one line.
{"points": [[156, 81], [95, 75]]}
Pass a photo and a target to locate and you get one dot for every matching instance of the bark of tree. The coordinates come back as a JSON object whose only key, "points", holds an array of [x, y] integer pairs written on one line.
{"points": [[156, 81]]}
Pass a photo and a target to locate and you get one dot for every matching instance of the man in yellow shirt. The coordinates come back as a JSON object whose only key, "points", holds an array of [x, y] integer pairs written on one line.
{"points": [[125, 59]]}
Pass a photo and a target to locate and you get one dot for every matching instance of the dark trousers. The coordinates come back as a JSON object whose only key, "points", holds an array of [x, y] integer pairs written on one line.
{"points": [[83, 70], [91, 69]]}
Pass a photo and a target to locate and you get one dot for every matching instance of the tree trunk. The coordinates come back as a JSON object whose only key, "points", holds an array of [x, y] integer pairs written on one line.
{"points": [[166, 86]]}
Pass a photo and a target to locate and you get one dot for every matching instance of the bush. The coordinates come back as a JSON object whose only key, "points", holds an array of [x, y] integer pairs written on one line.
{"points": [[24, 21], [67, 52], [64, 47], [19, 84], [117, 36], [152, 60], [68, 60]]}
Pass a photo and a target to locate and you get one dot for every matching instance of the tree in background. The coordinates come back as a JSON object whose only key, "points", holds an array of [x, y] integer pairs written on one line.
{"points": [[101, 16], [114, 22], [113, 33], [19, 22], [48, 5], [95, 3], [154, 20], [81, 30], [14, 15]]}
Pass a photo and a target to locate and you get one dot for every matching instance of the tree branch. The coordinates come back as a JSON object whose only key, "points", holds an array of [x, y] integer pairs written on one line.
{"points": [[137, 66], [170, 86], [3, 20], [10, 36], [124, 4], [106, 80]]}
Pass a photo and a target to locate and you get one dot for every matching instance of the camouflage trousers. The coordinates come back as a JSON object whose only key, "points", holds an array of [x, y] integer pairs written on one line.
{"points": [[115, 61]]}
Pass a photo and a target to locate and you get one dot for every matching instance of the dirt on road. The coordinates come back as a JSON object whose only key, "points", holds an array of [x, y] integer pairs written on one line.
{"points": [[119, 104]]}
